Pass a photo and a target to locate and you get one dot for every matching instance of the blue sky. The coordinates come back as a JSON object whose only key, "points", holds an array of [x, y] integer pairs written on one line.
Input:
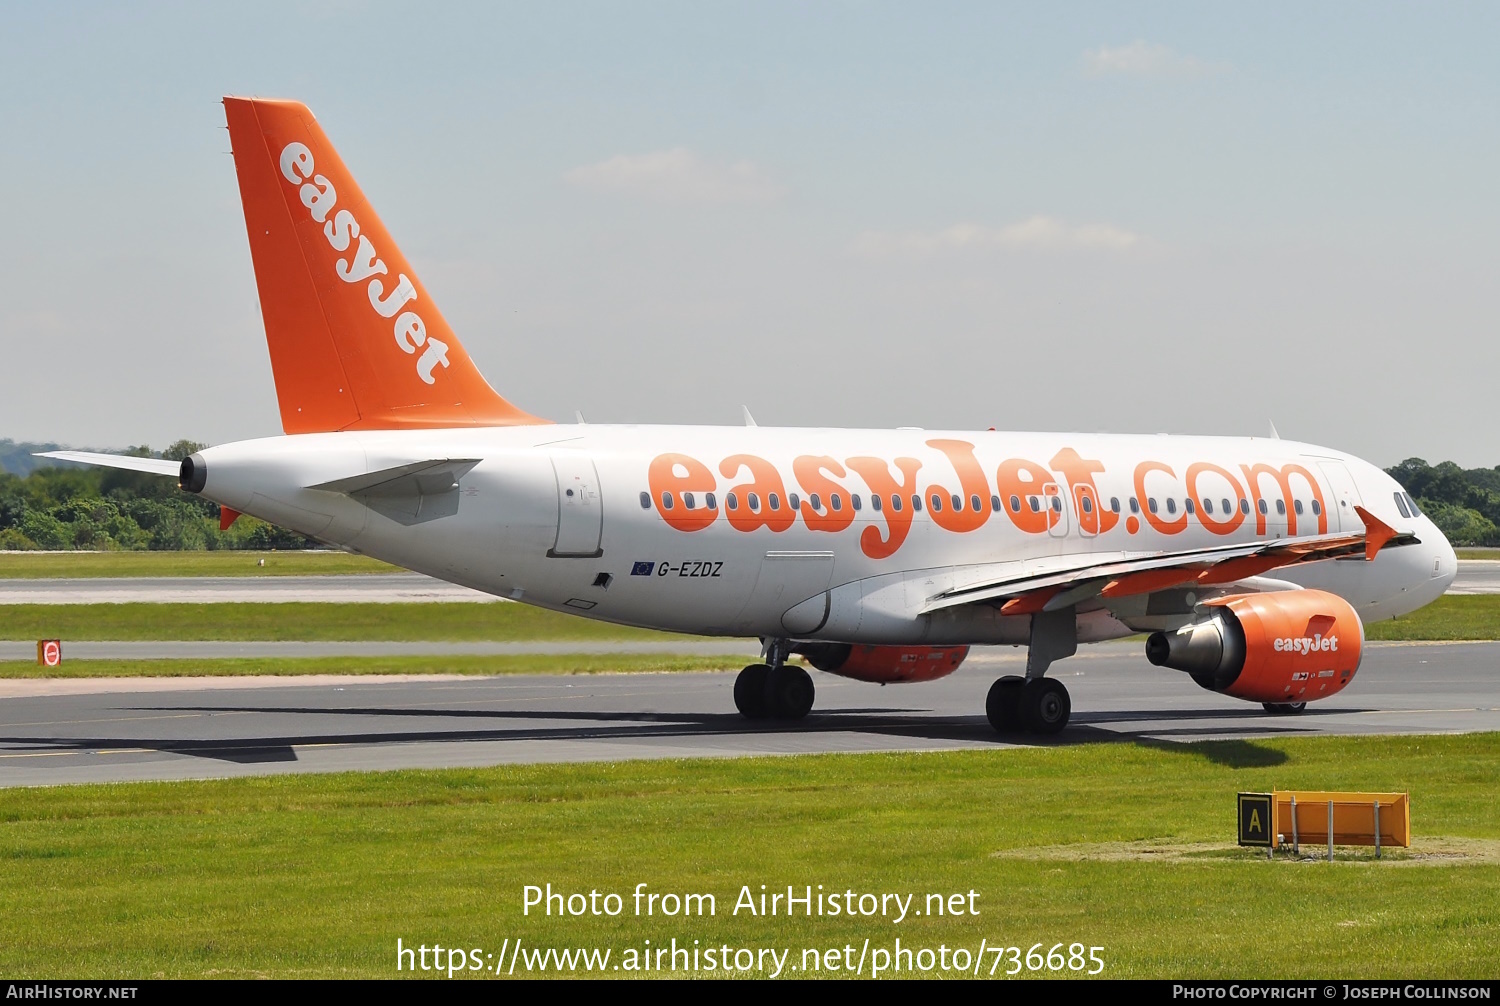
{"points": [[1169, 218]]}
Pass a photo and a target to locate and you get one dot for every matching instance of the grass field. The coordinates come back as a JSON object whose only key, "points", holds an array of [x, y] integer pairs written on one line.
{"points": [[588, 663], [41, 565], [307, 621], [1449, 618], [1124, 846]]}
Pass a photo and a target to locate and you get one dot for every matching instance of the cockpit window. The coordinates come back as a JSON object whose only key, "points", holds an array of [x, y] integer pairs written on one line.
{"points": [[1415, 510], [1401, 504]]}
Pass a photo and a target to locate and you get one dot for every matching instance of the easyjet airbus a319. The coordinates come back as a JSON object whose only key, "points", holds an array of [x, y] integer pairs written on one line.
{"points": [[880, 555]]}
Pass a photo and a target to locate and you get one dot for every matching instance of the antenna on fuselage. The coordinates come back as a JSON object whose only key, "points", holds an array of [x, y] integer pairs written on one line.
{"points": [[749, 419], [1274, 434], [578, 414]]}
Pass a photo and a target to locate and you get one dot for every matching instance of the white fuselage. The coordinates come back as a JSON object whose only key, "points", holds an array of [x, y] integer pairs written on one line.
{"points": [[577, 518]]}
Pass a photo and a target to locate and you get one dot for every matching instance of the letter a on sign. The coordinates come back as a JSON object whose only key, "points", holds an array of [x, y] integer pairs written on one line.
{"points": [[1255, 819]]}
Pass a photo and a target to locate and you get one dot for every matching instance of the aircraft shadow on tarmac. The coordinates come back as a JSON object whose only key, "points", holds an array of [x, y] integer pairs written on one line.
{"points": [[1156, 730]]}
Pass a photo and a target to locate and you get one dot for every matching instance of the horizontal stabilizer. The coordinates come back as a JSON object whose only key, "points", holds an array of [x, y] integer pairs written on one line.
{"points": [[154, 466], [407, 494]]}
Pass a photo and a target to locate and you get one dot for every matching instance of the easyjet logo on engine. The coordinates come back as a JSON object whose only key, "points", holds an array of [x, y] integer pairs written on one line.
{"points": [[318, 195], [825, 494], [1304, 645]]}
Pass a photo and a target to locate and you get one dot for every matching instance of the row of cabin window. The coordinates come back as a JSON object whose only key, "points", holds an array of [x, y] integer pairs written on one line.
{"points": [[836, 502]]}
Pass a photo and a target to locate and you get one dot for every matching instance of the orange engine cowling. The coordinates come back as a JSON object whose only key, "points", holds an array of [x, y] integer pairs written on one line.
{"points": [[1289, 646], [885, 664]]}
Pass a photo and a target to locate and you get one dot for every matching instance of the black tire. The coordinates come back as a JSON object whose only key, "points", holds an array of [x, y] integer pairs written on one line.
{"points": [[750, 692], [789, 692], [1003, 705], [1283, 708], [1045, 706]]}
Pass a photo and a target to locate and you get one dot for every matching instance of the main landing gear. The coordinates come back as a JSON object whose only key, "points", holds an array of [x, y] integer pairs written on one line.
{"points": [[1283, 708], [1039, 706], [774, 690]]}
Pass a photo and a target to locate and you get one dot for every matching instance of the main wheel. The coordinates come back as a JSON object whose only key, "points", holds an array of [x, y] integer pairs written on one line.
{"points": [[1045, 706], [750, 692], [1003, 705], [789, 692], [1283, 708]]}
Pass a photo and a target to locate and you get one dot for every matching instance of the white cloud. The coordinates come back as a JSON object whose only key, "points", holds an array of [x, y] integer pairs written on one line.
{"points": [[1038, 232], [677, 176], [1142, 59]]}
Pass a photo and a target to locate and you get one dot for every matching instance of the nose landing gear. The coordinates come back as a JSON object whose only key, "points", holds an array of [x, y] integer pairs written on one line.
{"points": [[775, 689]]}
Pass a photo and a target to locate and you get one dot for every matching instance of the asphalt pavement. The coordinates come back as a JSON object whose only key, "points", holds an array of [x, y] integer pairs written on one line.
{"points": [[102, 730]]}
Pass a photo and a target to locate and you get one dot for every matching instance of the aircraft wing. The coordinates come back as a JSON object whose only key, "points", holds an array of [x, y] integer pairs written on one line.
{"points": [[154, 466], [1120, 574]]}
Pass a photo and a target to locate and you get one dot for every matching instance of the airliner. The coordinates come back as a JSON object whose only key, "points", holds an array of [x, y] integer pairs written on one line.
{"points": [[1251, 564]]}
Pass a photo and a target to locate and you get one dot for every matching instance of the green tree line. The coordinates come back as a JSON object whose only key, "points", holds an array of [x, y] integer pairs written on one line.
{"points": [[1463, 502], [72, 507]]}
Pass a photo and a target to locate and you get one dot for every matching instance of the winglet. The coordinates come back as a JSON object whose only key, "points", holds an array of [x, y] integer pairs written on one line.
{"points": [[1377, 532]]}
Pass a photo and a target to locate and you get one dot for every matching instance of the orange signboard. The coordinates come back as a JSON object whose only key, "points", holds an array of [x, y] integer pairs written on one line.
{"points": [[1354, 817]]}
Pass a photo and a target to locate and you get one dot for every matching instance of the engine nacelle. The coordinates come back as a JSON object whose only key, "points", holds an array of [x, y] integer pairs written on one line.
{"points": [[884, 664], [1288, 646]]}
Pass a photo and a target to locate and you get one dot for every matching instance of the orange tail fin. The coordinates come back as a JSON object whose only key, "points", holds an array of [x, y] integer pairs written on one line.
{"points": [[356, 343]]}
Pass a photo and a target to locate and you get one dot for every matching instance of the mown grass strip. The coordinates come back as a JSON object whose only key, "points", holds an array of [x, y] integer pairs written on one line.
{"points": [[37, 565], [313, 876], [604, 663], [1451, 617], [310, 621]]}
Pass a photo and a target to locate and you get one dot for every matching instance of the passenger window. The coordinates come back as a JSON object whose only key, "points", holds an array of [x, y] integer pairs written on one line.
{"points": [[1208, 505], [916, 503], [874, 502], [815, 502], [836, 500], [958, 503], [1227, 508], [732, 501], [645, 501], [1317, 508], [1244, 505], [895, 503], [754, 502], [1057, 503], [774, 499], [1281, 507], [1015, 504], [1035, 507], [1297, 506], [854, 500], [710, 502], [687, 500], [1261, 506], [1114, 504], [1171, 505], [666, 501], [1401, 505], [1135, 505], [793, 500], [1088, 505], [1188, 505], [937, 502], [1151, 503], [994, 504]]}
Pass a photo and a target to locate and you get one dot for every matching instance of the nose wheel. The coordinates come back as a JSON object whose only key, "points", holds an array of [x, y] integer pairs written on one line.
{"points": [[763, 692], [1039, 706]]}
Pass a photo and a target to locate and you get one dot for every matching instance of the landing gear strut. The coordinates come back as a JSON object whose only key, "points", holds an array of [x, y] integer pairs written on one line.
{"points": [[1040, 706], [775, 689]]}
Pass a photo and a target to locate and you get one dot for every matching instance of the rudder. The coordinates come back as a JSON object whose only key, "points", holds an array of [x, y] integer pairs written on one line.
{"points": [[355, 341]]}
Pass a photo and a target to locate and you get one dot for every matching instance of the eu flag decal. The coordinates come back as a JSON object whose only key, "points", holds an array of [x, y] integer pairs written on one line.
{"points": [[642, 569]]}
